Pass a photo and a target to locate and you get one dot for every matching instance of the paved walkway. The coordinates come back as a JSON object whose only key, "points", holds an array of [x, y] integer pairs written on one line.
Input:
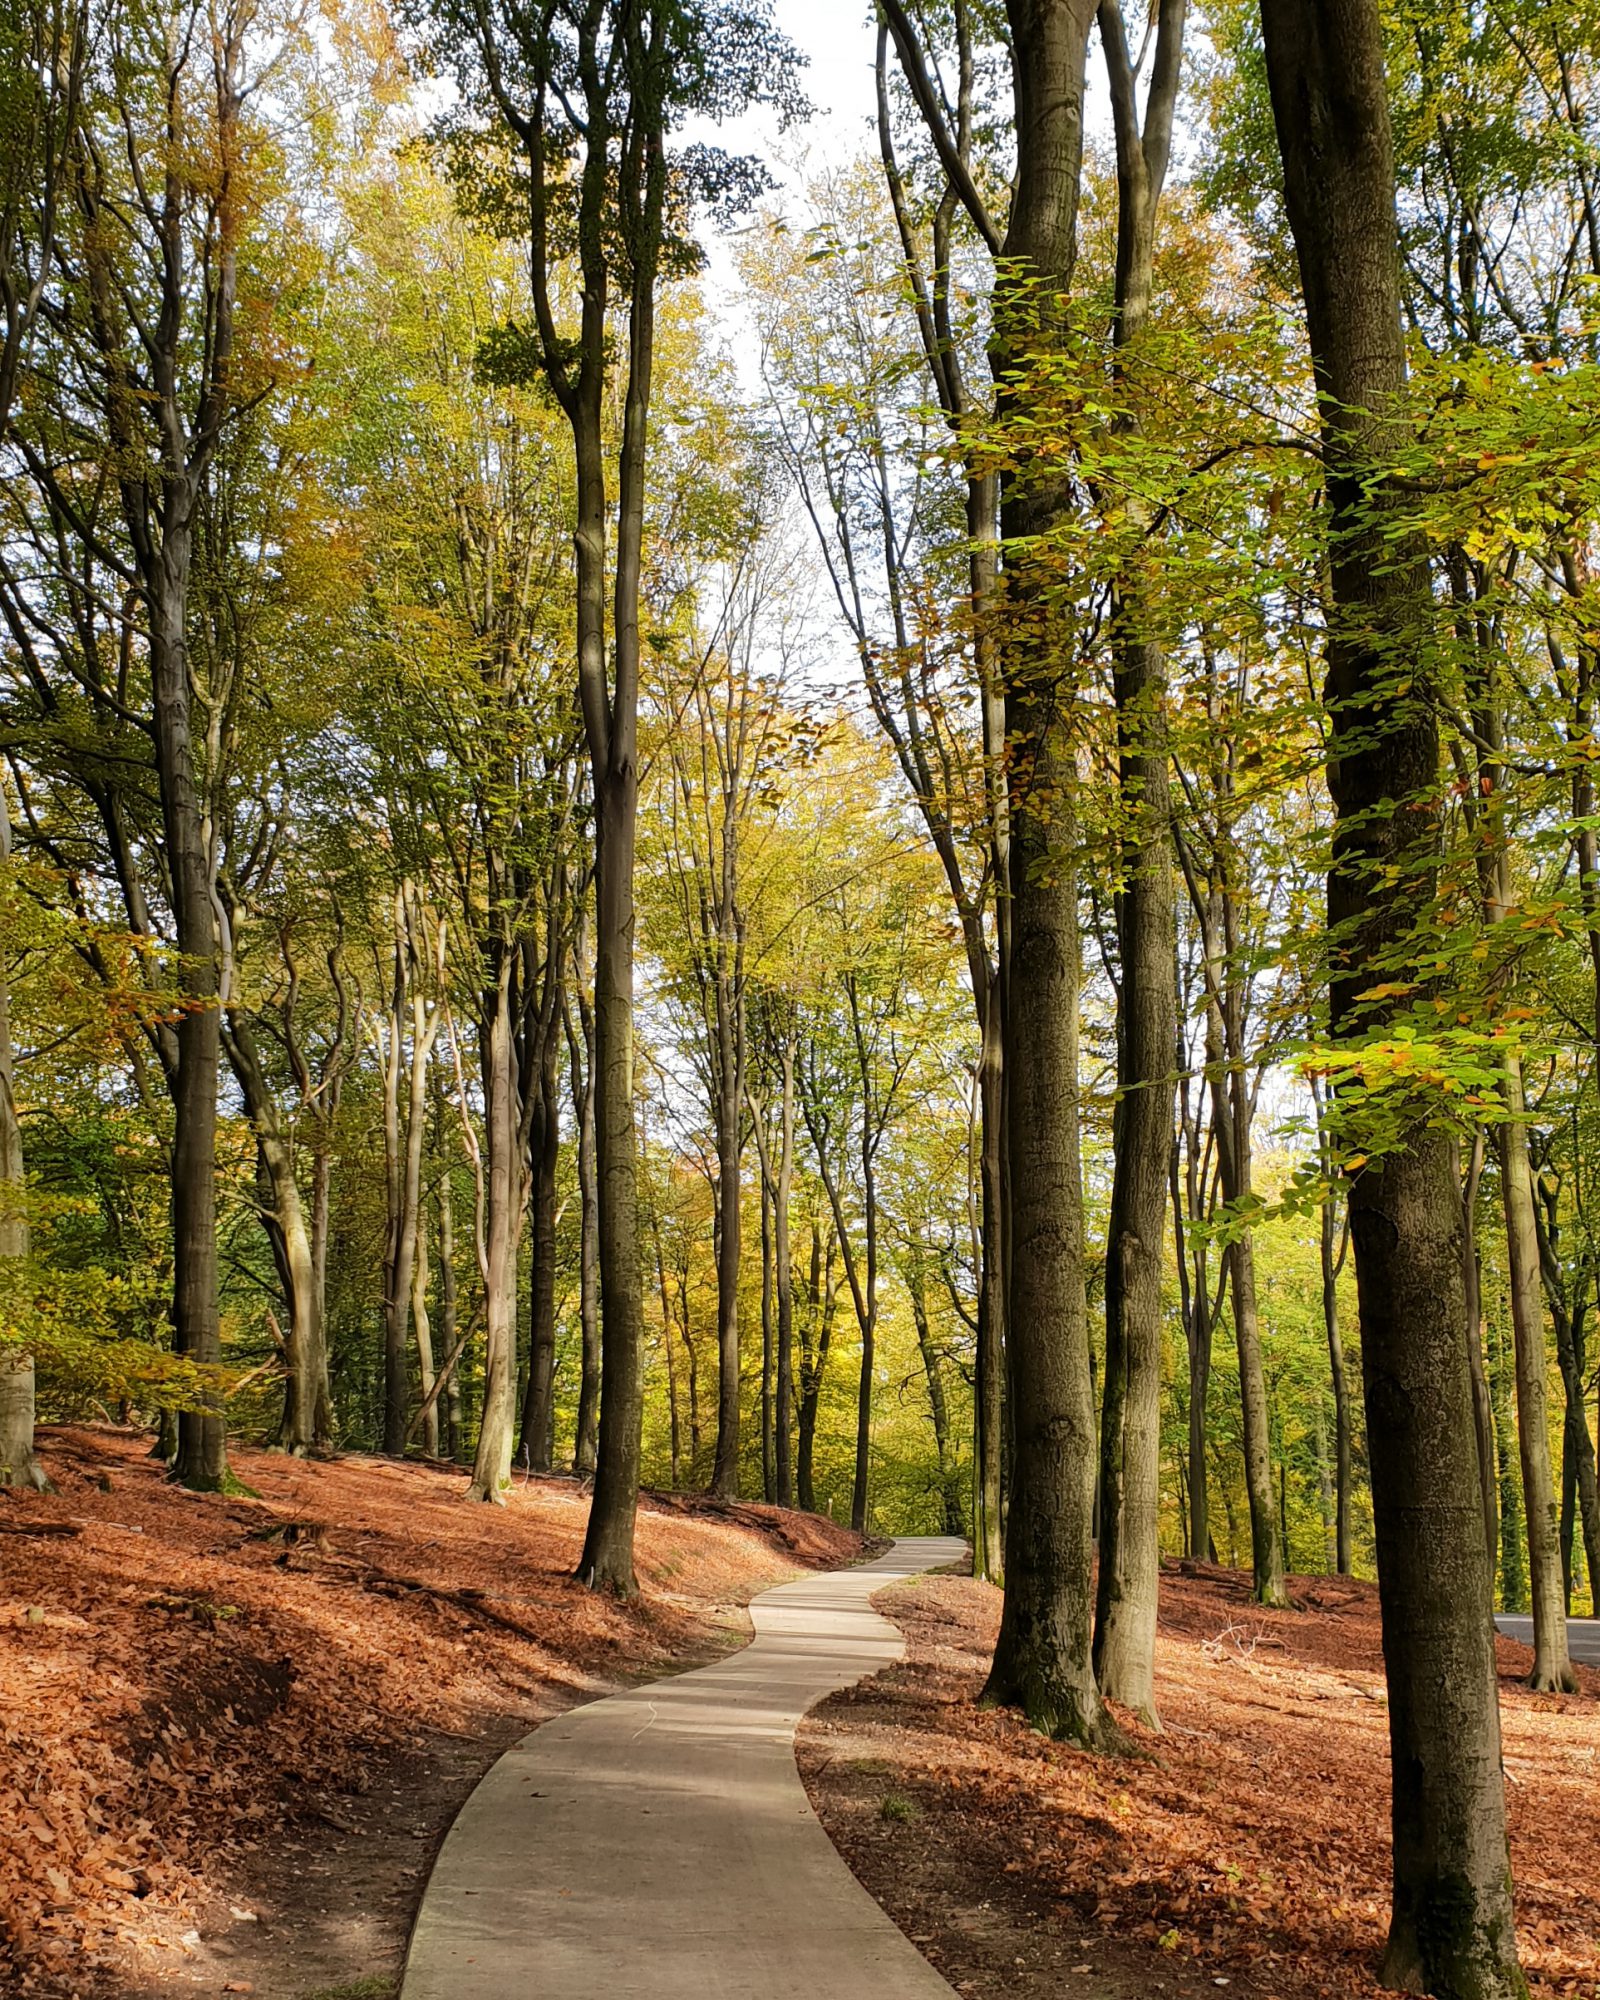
{"points": [[1583, 1636], [660, 1843]]}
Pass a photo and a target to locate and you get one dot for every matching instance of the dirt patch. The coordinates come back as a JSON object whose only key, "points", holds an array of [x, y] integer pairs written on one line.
{"points": [[234, 1730], [1245, 1848]]}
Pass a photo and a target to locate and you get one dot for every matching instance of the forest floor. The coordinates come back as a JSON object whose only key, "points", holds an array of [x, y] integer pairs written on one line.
{"points": [[233, 1730], [1245, 1848]]}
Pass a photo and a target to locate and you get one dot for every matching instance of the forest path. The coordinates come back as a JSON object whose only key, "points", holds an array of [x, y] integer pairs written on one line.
{"points": [[660, 1842], [1583, 1636]]}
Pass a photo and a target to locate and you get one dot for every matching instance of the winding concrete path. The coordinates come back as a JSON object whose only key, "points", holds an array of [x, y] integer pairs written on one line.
{"points": [[659, 1843]]}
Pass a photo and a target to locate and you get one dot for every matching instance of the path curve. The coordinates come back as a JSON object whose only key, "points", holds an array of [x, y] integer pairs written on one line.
{"points": [[1583, 1636], [660, 1842]]}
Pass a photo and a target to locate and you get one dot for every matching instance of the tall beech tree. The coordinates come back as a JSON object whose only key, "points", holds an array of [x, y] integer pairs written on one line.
{"points": [[1042, 1661], [590, 96], [1451, 1932], [1128, 1576], [41, 81], [142, 369], [1042, 1658]]}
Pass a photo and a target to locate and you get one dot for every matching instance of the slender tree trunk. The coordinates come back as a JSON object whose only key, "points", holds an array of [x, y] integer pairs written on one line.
{"points": [[1472, 1292], [729, 1070], [667, 1346], [201, 1461], [396, 1260], [691, 1358], [1231, 1122], [1129, 1575], [1199, 1396], [1580, 1498], [784, 1411], [422, 1329], [1512, 1545], [406, 1220], [1552, 1668], [952, 1519], [813, 1366], [452, 1439], [586, 1443], [1332, 1252], [607, 1559], [1325, 1493], [988, 1389], [769, 1470], [504, 1175], [1452, 1931], [18, 1465], [1341, 1392], [539, 1404], [860, 1275], [321, 1210], [1195, 1300], [305, 1354]]}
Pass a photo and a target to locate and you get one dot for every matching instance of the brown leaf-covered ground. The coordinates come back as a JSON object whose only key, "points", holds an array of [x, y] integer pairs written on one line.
{"points": [[234, 1729], [1247, 1848]]}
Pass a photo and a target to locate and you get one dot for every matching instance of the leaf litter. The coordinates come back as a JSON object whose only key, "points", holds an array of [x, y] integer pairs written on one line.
{"points": [[1246, 1846], [197, 1691]]}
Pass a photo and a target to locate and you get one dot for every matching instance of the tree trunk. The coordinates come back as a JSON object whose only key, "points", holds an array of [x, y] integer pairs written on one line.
{"points": [[504, 1175], [452, 1438], [1472, 1291], [1331, 1261], [769, 1470], [1231, 1122], [1129, 1573], [1195, 1300], [18, 1465], [607, 1559], [1452, 1931], [321, 1211], [396, 1254], [691, 1358], [1552, 1668], [1580, 1499], [587, 1435], [783, 1417], [303, 1428], [952, 1519], [422, 1328], [1042, 1656], [665, 1293], [988, 1389], [815, 1342], [610, 704], [1512, 1545], [201, 1461], [930, 291], [729, 1071], [861, 1276], [539, 1404]]}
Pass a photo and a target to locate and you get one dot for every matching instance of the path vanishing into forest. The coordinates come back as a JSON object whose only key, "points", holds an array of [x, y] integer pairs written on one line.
{"points": [[1583, 1637], [660, 1842]]}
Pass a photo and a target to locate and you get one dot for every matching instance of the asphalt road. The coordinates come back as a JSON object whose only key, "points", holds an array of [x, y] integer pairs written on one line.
{"points": [[660, 1842], [1583, 1637]]}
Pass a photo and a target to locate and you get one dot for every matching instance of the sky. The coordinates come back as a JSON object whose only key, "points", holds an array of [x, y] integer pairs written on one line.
{"points": [[838, 39]]}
